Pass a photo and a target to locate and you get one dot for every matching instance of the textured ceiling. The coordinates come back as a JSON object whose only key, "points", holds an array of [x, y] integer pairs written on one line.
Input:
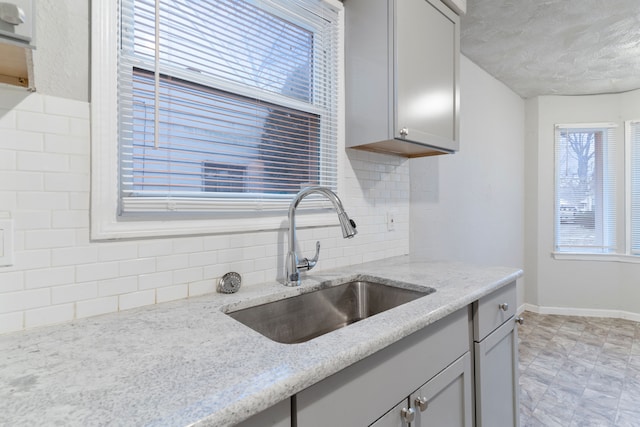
{"points": [[555, 47]]}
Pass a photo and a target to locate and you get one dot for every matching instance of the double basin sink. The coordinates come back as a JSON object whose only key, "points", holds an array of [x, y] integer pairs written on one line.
{"points": [[306, 316]]}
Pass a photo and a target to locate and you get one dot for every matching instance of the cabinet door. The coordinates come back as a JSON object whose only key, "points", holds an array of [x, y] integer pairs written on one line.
{"points": [[496, 371], [393, 418], [359, 394], [446, 398], [426, 73], [279, 415]]}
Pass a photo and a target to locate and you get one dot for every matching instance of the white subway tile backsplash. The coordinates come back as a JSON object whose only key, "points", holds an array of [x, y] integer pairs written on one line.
{"points": [[49, 315], [57, 182], [21, 140], [21, 181], [79, 201], [155, 280], [117, 251], [201, 259], [45, 123], [29, 259], [154, 248], [65, 144], [43, 162], [40, 200], [32, 220], [74, 292], [79, 127], [7, 119], [211, 243], [97, 271], [7, 160], [187, 245], [96, 306], [137, 266], [171, 293], [74, 256], [70, 219], [66, 107], [40, 239], [187, 275], [11, 281], [202, 287], [172, 262], [48, 277], [137, 299], [80, 164], [24, 300], [8, 200], [60, 274], [11, 322], [118, 286], [18, 99]]}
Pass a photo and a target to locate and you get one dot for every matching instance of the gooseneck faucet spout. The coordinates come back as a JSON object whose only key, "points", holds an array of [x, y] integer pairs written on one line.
{"points": [[293, 266]]}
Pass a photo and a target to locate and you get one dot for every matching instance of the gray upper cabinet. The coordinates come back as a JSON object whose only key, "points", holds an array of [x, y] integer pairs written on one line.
{"points": [[17, 30], [402, 73]]}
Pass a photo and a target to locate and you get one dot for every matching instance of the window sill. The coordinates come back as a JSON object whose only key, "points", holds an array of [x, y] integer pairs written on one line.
{"points": [[570, 256], [114, 229]]}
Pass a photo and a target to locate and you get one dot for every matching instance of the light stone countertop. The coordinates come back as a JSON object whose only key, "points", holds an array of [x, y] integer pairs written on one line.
{"points": [[187, 363]]}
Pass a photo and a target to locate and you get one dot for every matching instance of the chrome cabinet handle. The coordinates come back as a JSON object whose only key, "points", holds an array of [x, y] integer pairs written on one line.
{"points": [[408, 414], [520, 320], [404, 132], [504, 306], [422, 403]]}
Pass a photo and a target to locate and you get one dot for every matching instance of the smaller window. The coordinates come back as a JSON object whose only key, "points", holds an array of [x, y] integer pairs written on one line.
{"points": [[634, 179], [585, 186]]}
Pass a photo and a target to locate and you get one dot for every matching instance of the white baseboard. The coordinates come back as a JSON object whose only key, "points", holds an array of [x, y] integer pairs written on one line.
{"points": [[581, 312]]}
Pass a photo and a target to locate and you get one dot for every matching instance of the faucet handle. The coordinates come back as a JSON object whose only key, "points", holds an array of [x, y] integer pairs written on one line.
{"points": [[308, 264], [312, 262]]}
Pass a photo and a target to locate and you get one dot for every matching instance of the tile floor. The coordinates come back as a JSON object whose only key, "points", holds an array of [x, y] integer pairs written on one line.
{"points": [[579, 371]]}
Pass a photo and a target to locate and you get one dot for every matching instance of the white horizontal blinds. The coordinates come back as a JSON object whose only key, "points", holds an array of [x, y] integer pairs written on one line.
{"points": [[634, 171], [247, 98], [585, 206]]}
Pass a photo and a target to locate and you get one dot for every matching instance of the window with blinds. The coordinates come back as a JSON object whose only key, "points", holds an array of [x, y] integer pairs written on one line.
{"points": [[585, 187], [634, 181], [226, 102]]}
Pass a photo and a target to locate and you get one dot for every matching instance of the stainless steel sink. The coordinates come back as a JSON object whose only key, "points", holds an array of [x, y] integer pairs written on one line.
{"points": [[306, 316]]}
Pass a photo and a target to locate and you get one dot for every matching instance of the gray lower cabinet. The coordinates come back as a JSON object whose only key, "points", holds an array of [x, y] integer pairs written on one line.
{"points": [[279, 415], [496, 360], [432, 377], [432, 363], [444, 400]]}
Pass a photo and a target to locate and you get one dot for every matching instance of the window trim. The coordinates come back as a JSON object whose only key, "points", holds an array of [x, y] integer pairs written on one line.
{"points": [[105, 223], [571, 252]]}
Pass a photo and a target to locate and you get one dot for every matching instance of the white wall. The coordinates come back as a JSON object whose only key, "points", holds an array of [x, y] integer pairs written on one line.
{"points": [[61, 59], [586, 287], [59, 274], [470, 206]]}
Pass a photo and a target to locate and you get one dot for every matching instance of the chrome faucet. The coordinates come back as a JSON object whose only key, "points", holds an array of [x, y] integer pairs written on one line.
{"points": [[292, 264]]}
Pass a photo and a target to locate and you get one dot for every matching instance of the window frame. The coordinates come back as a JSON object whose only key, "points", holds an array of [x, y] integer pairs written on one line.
{"points": [[106, 223], [602, 162]]}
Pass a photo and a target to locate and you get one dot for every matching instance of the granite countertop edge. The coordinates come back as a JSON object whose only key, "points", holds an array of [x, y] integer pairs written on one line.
{"points": [[212, 370]]}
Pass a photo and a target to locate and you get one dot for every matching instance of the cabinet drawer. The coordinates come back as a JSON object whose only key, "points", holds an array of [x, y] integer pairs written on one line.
{"points": [[359, 394], [492, 310]]}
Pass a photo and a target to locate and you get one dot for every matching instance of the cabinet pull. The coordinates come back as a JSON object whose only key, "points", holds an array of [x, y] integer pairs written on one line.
{"points": [[408, 414], [422, 403], [504, 306], [519, 320], [404, 132]]}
